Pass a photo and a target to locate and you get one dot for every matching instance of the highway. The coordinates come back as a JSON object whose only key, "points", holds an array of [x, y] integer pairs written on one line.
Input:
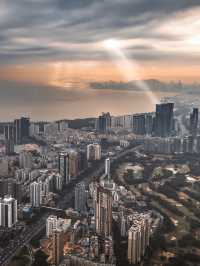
{"points": [[33, 230]]}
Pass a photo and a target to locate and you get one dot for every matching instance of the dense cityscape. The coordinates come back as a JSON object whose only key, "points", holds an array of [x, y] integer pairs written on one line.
{"points": [[114, 190], [99, 133]]}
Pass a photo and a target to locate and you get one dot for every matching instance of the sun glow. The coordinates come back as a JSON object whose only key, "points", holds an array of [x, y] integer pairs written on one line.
{"points": [[128, 67]]}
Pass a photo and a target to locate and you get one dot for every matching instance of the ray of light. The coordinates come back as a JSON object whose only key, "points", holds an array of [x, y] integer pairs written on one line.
{"points": [[128, 68]]}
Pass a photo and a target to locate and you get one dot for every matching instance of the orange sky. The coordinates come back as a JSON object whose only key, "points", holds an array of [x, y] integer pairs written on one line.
{"points": [[63, 74]]}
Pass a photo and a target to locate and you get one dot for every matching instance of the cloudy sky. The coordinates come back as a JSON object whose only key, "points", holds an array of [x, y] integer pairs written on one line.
{"points": [[61, 43]]}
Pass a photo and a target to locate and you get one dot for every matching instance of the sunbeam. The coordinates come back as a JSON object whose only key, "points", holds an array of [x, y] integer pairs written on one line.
{"points": [[128, 67]]}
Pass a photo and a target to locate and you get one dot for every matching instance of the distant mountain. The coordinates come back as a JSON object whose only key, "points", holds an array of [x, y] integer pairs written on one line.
{"points": [[153, 84]]}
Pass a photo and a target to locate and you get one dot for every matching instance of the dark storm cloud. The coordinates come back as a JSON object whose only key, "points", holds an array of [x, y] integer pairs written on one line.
{"points": [[30, 28]]}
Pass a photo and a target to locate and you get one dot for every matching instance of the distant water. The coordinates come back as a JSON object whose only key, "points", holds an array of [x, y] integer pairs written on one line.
{"points": [[74, 104]]}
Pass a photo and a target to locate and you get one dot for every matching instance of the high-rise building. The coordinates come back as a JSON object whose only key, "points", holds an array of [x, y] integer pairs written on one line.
{"points": [[70, 165], [13, 188], [198, 144], [34, 129], [25, 160], [194, 122], [123, 223], [185, 144], [63, 165], [21, 130], [3, 187], [138, 124], [51, 225], [51, 128], [4, 167], [103, 211], [93, 152], [117, 122], [128, 121], [57, 247], [58, 182], [104, 122], [9, 131], [36, 194], [177, 145], [107, 168], [164, 119], [9, 146], [82, 159], [149, 123], [73, 164], [190, 144], [62, 125], [8, 211], [138, 238], [80, 197]]}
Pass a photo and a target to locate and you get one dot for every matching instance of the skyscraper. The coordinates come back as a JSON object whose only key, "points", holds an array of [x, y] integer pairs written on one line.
{"points": [[103, 211], [51, 225], [164, 120], [21, 130], [194, 121], [73, 164], [138, 238], [138, 124], [8, 211], [63, 165], [57, 246], [104, 122], [9, 138], [36, 194], [107, 168], [80, 197]]}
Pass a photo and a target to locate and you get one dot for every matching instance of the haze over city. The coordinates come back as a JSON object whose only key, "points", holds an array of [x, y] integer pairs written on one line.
{"points": [[51, 51]]}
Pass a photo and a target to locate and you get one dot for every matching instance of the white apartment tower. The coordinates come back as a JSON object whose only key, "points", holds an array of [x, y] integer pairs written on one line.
{"points": [[51, 225], [8, 211], [36, 194], [107, 168]]}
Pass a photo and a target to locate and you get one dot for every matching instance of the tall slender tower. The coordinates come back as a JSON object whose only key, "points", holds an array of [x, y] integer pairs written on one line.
{"points": [[63, 165], [103, 211], [35, 194], [194, 121], [57, 247], [80, 197], [107, 168]]}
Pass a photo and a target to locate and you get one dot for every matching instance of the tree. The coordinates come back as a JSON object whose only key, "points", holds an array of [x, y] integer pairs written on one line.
{"points": [[40, 259]]}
